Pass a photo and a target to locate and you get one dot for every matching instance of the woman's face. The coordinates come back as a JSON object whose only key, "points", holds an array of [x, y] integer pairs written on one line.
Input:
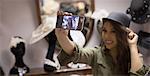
{"points": [[109, 35]]}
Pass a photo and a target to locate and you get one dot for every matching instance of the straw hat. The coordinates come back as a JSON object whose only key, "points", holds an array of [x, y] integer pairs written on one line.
{"points": [[50, 7], [49, 24]]}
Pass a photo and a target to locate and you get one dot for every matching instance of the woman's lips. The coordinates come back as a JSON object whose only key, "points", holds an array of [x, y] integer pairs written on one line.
{"points": [[108, 42]]}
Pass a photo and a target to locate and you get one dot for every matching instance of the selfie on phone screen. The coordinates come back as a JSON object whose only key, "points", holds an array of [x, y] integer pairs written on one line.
{"points": [[70, 22]]}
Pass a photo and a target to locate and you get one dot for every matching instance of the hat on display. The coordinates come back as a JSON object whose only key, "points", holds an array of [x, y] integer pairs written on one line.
{"points": [[78, 37], [48, 25], [139, 11], [16, 40], [118, 17], [50, 7]]}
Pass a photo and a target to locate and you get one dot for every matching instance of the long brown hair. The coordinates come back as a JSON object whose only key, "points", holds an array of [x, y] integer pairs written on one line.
{"points": [[123, 57]]}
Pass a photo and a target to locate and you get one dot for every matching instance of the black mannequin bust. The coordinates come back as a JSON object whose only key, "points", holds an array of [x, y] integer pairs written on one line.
{"points": [[17, 47]]}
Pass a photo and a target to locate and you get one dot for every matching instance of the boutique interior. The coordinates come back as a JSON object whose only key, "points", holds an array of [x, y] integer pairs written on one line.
{"points": [[29, 46]]}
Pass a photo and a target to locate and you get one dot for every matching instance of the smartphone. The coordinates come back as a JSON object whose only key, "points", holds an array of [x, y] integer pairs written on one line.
{"points": [[73, 22]]}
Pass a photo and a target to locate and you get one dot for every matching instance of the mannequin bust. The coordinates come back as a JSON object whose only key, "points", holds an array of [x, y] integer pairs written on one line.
{"points": [[17, 47]]}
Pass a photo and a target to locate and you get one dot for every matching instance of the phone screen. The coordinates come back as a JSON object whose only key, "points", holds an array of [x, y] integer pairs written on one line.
{"points": [[73, 22]]}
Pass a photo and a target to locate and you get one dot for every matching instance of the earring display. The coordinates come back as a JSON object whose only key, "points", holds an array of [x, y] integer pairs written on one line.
{"points": [[17, 47]]}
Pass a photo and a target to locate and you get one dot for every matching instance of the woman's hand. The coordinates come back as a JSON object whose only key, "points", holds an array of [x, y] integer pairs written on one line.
{"points": [[132, 37], [63, 39], [64, 13], [61, 33], [136, 62]]}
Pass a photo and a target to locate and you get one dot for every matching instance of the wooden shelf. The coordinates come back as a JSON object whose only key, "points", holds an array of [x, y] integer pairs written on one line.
{"points": [[64, 71]]}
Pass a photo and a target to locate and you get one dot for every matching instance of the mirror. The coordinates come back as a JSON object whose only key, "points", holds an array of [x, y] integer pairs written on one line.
{"points": [[76, 7]]}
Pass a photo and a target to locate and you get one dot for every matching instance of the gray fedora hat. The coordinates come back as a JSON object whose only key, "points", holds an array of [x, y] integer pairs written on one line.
{"points": [[119, 17]]}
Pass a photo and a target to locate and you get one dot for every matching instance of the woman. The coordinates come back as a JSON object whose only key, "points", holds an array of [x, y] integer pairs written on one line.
{"points": [[117, 54]]}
